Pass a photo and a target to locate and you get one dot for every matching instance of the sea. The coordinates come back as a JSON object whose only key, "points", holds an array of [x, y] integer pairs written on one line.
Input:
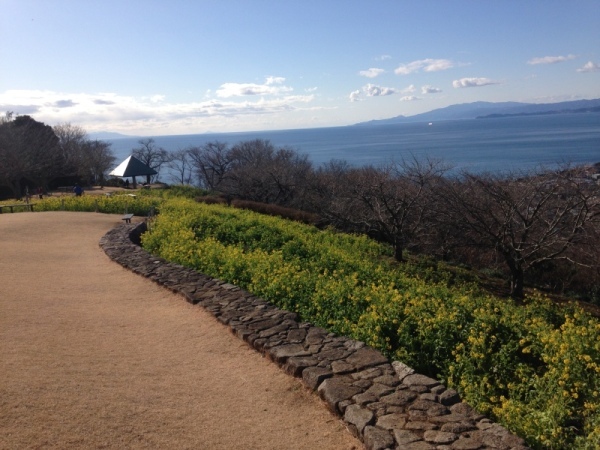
{"points": [[499, 144]]}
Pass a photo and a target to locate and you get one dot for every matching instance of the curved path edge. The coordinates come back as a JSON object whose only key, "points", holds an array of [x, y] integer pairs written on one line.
{"points": [[385, 404]]}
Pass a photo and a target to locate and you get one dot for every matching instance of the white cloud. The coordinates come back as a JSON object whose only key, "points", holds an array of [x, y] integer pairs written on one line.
{"points": [[274, 80], [473, 82], [383, 57], [372, 90], [371, 73], [156, 98], [426, 65], [272, 86], [129, 114], [409, 98], [550, 59], [427, 89], [589, 67]]}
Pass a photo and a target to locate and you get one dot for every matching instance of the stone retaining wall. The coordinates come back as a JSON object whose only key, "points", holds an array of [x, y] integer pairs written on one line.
{"points": [[385, 404]]}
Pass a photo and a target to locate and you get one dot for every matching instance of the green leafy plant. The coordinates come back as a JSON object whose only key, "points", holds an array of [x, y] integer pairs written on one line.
{"points": [[534, 367]]}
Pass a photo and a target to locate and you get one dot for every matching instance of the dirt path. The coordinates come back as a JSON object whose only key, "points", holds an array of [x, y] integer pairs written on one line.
{"points": [[93, 356]]}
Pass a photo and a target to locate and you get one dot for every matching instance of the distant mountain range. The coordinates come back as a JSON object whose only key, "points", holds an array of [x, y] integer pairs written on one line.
{"points": [[482, 110], [108, 135]]}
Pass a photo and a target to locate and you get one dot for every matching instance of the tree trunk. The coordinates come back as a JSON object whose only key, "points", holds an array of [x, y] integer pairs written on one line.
{"points": [[516, 282], [398, 249]]}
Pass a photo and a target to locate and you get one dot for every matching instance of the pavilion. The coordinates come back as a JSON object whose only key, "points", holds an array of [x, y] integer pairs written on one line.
{"points": [[132, 167]]}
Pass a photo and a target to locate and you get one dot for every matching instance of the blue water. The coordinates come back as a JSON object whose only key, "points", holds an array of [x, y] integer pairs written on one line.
{"points": [[498, 144]]}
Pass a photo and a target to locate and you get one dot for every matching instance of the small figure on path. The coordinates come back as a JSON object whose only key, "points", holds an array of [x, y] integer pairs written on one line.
{"points": [[78, 190], [126, 184], [40, 193], [27, 194]]}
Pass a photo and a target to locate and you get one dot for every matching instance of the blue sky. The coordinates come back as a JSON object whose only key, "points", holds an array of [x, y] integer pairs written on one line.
{"points": [[148, 67]]}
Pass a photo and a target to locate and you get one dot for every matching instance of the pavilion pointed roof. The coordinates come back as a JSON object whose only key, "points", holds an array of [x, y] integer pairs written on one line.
{"points": [[132, 167]]}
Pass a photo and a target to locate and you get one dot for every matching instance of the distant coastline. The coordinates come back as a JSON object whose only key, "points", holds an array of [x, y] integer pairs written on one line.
{"points": [[543, 113], [479, 110]]}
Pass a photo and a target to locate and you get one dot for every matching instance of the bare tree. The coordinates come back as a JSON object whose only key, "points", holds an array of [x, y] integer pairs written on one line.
{"points": [[288, 174], [326, 183], [262, 173], [248, 178], [151, 155], [211, 163], [72, 140], [98, 157], [527, 219], [391, 203], [87, 159], [181, 164], [253, 170]]}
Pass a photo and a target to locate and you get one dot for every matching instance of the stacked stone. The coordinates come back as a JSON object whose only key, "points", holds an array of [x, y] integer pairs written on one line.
{"points": [[386, 405]]}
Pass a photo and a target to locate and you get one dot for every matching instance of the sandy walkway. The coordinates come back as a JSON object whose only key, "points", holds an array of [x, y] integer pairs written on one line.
{"points": [[93, 356]]}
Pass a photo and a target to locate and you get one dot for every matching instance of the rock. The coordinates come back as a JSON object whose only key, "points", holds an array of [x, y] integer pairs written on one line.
{"points": [[377, 439], [314, 376], [263, 324], [315, 336], [296, 335], [282, 352], [464, 409], [421, 425], [333, 354], [380, 390], [392, 421], [449, 397], [334, 390], [402, 370], [467, 444], [452, 417], [295, 365], [429, 397], [399, 398], [420, 380], [458, 427], [368, 374], [366, 357], [439, 437], [351, 344], [359, 417], [404, 437], [431, 408], [364, 398], [341, 367], [364, 384], [421, 445], [387, 380]]}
